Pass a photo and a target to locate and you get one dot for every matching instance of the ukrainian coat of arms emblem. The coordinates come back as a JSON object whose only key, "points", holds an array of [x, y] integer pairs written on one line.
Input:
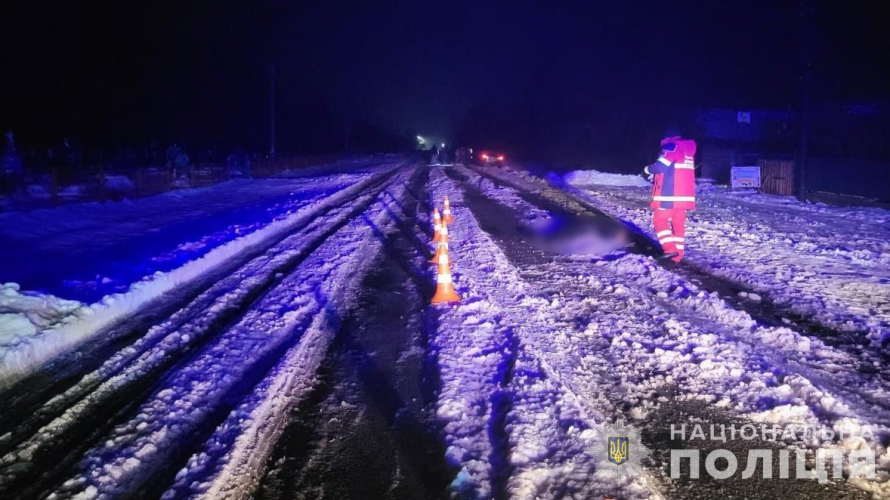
{"points": [[618, 449]]}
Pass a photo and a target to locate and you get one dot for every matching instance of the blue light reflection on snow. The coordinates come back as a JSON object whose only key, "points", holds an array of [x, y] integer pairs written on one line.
{"points": [[93, 273]]}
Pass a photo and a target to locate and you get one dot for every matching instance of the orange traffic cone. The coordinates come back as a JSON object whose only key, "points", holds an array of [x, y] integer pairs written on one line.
{"points": [[441, 250], [442, 243], [437, 226], [444, 285], [446, 212]]}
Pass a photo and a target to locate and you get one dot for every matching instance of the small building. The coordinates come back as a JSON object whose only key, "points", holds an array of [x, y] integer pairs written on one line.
{"points": [[728, 137], [848, 150]]}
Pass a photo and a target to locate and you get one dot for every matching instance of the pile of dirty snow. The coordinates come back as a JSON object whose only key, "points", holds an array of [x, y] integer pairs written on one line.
{"points": [[120, 183], [593, 177], [23, 315]]}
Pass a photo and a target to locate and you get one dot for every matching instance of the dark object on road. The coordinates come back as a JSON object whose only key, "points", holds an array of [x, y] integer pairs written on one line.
{"points": [[578, 235]]}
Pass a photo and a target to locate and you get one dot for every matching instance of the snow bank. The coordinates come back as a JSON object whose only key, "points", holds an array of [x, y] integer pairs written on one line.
{"points": [[593, 177], [73, 191], [38, 192], [119, 183], [24, 314]]}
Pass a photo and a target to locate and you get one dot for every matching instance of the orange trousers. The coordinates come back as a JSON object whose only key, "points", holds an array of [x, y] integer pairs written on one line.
{"points": [[670, 228]]}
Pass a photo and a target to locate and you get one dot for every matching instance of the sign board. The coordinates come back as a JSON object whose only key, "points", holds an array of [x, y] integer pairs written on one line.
{"points": [[744, 177], [743, 116]]}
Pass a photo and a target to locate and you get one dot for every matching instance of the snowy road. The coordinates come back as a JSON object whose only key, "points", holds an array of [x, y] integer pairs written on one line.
{"points": [[293, 350]]}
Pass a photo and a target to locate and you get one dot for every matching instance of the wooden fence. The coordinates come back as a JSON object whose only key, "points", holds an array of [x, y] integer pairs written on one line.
{"points": [[777, 177]]}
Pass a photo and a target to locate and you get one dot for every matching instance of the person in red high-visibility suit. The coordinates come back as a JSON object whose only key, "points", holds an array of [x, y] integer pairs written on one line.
{"points": [[673, 192]]}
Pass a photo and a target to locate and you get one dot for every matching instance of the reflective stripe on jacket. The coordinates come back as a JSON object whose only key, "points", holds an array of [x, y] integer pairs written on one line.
{"points": [[674, 182]]}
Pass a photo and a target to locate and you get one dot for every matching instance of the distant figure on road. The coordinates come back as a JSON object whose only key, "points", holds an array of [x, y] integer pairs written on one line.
{"points": [[180, 164], [434, 156], [153, 154], [12, 162], [245, 165], [172, 153], [238, 163], [67, 155], [673, 192], [233, 165]]}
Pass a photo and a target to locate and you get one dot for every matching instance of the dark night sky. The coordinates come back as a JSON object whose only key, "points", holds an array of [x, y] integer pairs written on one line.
{"points": [[110, 72]]}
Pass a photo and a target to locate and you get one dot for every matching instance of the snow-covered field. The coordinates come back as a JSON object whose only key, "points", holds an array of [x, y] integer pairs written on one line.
{"points": [[176, 368], [89, 250]]}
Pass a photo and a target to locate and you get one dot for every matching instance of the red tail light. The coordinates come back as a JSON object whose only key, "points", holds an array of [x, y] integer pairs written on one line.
{"points": [[484, 156], [501, 158]]}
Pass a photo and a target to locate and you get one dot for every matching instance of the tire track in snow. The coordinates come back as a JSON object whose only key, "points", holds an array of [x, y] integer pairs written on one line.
{"points": [[134, 371], [471, 350], [232, 460], [368, 432]]}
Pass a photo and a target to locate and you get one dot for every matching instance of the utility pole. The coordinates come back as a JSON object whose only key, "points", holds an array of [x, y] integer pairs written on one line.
{"points": [[272, 112], [806, 15]]}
